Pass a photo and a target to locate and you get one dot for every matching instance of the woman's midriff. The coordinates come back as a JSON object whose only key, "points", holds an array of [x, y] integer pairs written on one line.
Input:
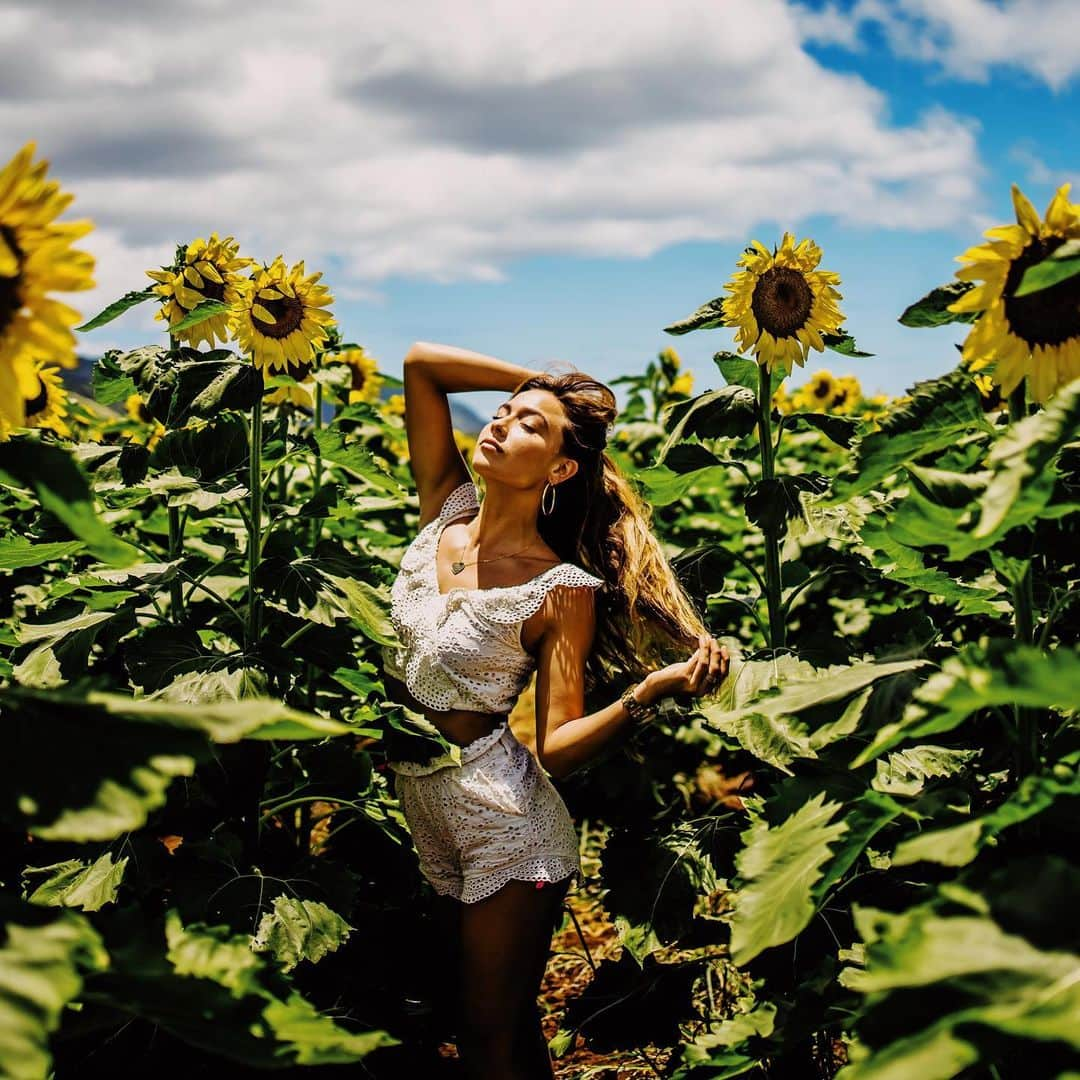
{"points": [[460, 726]]}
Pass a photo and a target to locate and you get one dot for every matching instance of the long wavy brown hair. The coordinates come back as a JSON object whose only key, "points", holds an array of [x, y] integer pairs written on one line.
{"points": [[643, 613]]}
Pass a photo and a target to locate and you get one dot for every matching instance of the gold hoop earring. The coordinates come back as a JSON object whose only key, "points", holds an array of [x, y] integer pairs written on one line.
{"points": [[543, 507]]}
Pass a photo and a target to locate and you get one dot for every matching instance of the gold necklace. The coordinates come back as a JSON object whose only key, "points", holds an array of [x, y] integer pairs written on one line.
{"points": [[457, 567]]}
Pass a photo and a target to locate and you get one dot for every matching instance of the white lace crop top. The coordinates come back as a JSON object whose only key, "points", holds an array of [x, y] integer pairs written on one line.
{"points": [[462, 649]]}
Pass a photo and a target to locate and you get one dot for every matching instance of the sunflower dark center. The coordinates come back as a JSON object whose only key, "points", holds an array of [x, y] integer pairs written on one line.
{"points": [[823, 390], [9, 286], [212, 290], [1047, 317], [299, 372], [782, 301], [288, 313], [38, 402]]}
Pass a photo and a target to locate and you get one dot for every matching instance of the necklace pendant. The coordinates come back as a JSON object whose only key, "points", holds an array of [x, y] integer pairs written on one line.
{"points": [[457, 567]]}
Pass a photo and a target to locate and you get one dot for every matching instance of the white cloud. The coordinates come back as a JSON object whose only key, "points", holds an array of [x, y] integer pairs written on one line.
{"points": [[442, 140], [966, 38]]}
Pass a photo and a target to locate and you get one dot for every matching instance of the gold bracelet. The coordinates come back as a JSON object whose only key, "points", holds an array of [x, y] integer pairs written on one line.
{"points": [[637, 709]]}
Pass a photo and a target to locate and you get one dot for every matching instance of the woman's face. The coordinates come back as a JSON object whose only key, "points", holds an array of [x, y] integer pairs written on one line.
{"points": [[526, 430]]}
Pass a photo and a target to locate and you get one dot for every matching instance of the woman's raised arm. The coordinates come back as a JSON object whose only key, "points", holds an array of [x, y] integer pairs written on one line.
{"points": [[431, 372]]}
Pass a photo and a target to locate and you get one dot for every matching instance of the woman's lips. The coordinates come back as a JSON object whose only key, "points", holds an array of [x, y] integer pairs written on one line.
{"points": [[494, 445]]}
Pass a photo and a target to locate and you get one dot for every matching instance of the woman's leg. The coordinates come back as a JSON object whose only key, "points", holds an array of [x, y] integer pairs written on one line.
{"points": [[530, 1043], [447, 912], [501, 937]]}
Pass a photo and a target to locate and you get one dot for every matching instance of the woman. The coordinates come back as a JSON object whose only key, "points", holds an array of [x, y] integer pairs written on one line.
{"points": [[486, 593]]}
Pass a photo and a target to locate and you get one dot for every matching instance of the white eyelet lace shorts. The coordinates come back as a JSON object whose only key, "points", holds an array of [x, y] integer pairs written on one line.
{"points": [[494, 818]]}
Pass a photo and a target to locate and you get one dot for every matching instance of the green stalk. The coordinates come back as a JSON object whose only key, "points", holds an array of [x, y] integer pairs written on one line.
{"points": [[316, 475], [176, 547], [254, 522], [316, 528], [777, 628], [1024, 623]]}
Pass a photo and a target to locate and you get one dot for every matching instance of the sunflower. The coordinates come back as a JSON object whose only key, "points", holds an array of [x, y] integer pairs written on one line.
{"points": [[847, 395], [990, 394], [204, 270], [294, 395], [684, 384], [394, 405], [817, 392], [782, 400], [279, 318], [670, 362], [1037, 335], [48, 407], [366, 380], [136, 409], [780, 304], [465, 443], [36, 257]]}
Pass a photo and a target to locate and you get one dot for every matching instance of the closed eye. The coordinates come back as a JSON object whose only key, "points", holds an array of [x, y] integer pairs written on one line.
{"points": [[523, 424]]}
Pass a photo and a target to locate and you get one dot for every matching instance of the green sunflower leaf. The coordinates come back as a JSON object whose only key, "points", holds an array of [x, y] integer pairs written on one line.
{"points": [[299, 930], [933, 308], [779, 867], [118, 307], [710, 316]]}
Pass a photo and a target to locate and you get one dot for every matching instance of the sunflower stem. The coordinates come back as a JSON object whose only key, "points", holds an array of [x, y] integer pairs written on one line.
{"points": [[254, 522], [316, 472], [176, 546], [777, 630], [1024, 622]]}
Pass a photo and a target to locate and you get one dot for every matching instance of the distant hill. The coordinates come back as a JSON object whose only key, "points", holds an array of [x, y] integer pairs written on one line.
{"points": [[77, 379]]}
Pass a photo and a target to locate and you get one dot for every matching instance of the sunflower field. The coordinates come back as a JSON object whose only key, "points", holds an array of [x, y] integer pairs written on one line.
{"points": [[858, 859]]}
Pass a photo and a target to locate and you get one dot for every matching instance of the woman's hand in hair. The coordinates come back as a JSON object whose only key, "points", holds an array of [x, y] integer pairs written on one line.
{"points": [[700, 674]]}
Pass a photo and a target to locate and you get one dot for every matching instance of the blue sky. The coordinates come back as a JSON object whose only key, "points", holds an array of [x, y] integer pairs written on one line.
{"points": [[552, 185]]}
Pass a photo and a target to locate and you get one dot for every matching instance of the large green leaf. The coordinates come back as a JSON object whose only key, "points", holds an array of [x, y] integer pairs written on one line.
{"points": [[729, 412], [664, 486], [197, 387], [934, 1054], [709, 316], [299, 930], [778, 867], [205, 309], [16, 552], [61, 649], [209, 989], [770, 502], [933, 308], [326, 588], [90, 767], [76, 884], [958, 845], [746, 371], [766, 724], [1023, 475], [353, 457], [840, 429], [63, 489], [1001, 672], [940, 413], [905, 772], [118, 307], [211, 450], [728, 1034], [843, 343], [906, 565], [1060, 265], [982, 978], [40, 972]]}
